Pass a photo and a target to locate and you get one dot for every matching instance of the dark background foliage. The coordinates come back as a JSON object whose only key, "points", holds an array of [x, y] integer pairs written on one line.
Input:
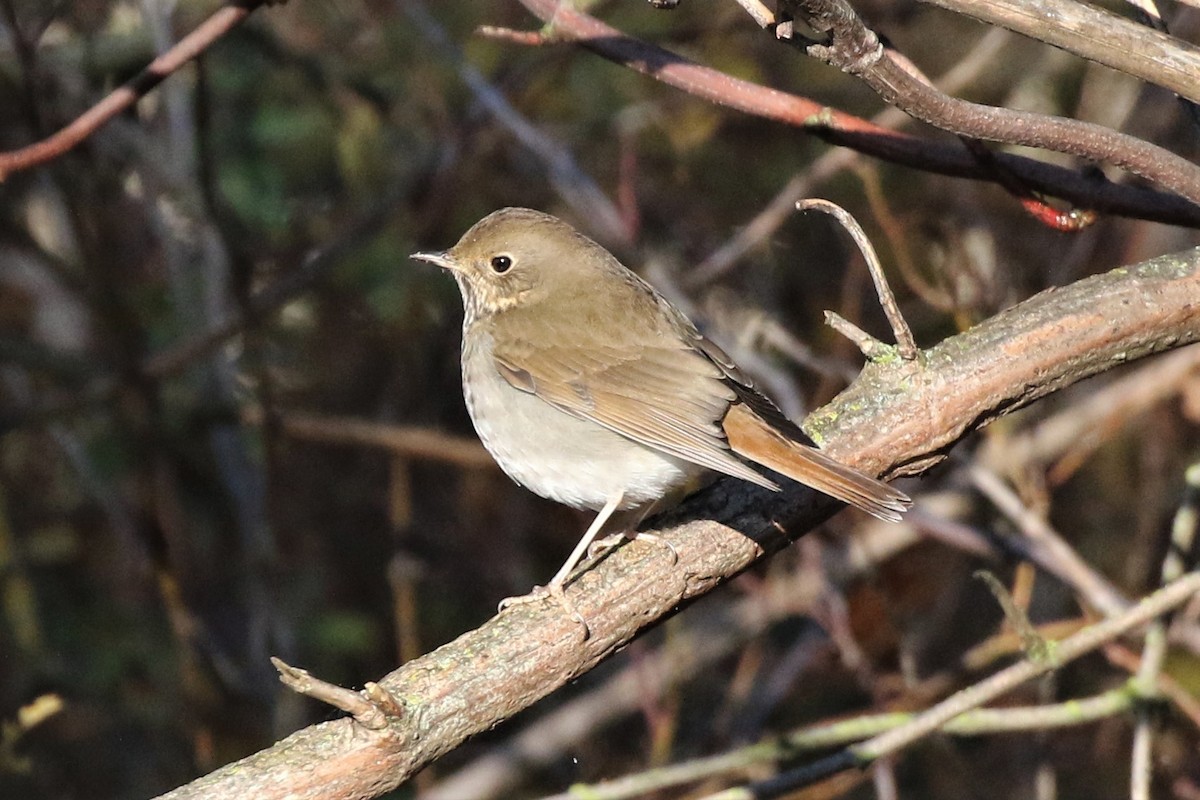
{"points": [[162, 534]]}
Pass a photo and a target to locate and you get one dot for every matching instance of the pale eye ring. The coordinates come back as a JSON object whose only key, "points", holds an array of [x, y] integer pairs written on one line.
{"points": [[501, 263]]}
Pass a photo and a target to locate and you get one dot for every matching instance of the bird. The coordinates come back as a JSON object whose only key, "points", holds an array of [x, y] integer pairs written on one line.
{"points": [[591, 389]]}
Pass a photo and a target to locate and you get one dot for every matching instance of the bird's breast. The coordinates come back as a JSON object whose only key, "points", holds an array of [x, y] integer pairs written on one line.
{"points": [[557, 455]]}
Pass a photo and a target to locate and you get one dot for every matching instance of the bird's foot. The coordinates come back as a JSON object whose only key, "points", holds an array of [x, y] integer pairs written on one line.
{"points": [[601, 547], [553, 591]]}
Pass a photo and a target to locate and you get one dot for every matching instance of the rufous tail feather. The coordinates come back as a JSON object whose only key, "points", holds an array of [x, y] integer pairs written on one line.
{"points": [[752, 438]]}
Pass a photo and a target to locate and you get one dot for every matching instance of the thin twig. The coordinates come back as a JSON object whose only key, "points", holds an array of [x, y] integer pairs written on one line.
{"points": [[1087, 640], [758, 11], [906, 345], [216, 26], [1061, 558], [870, 347], [574, 185], [366, 712]]}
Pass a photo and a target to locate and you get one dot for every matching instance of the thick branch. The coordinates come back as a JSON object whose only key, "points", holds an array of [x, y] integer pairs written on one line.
{"points": [[856, 49], [898, 417], [1097, 35]]}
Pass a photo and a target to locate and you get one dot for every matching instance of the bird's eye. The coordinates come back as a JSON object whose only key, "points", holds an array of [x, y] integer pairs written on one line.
{"points": [[501, 263]]}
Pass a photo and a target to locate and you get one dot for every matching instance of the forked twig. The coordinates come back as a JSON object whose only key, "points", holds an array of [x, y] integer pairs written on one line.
{"points": [[906, 345]]}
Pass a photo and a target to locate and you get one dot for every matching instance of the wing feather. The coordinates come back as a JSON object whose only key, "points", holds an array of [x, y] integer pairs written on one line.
{"points": [[669, 398]]}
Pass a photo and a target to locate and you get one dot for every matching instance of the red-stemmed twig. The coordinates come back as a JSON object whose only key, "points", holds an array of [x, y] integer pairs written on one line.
{"points": [[216, 26], [947, 158]]}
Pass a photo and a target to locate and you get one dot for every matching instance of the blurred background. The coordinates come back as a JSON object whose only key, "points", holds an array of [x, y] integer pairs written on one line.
{"points": [[231, 424]]}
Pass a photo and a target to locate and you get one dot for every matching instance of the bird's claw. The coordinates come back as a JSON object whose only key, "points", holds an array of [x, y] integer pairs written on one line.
{"points": [[554, 591]]}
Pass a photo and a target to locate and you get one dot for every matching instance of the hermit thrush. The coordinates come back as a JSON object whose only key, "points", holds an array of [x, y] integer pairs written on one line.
{"points": [[589, 388]]}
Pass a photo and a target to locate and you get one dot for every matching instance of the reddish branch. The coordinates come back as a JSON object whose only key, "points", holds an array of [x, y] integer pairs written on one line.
{"points": [[220, 23], [948, 158], [899, 417]]}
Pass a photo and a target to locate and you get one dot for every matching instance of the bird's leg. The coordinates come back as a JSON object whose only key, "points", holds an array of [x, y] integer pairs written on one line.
{"points": [[629, 533], [557, 586]]}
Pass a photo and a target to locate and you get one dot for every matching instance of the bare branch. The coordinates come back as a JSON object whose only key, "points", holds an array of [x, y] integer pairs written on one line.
{"points": [[216, 26], [365, 712], [867, 344]]}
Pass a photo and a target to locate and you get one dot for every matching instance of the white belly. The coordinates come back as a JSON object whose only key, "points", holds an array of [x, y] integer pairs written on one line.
{"points": [[556, 455]]}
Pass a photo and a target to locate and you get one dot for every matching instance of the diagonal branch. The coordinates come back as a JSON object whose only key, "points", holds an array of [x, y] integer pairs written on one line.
{"points": [[898, 417], [945, 158]]}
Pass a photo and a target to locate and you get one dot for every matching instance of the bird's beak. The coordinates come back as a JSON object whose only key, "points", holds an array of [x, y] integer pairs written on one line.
{"points": [[443, 260]]}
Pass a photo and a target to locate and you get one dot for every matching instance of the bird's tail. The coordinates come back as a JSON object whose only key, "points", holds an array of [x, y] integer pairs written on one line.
{"points": [[754, 439]]}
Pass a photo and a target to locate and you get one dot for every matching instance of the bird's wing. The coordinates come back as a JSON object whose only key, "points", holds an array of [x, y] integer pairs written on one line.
{"points": [[670, 397]]}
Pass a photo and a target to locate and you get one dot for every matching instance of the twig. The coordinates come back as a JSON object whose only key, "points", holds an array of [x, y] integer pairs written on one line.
{"points": [[867, 344], [371, 711], [502, 34], [883, 776], [1061, 558], [216, 26], [907, 346], [568, 179], [1036, 648], [1087, 640], [762, 15]]}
